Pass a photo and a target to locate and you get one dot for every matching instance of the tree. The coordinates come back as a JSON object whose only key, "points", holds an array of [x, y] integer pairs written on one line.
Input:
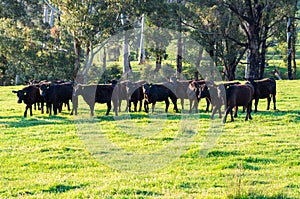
{"points": [[259, 20], [213, 26]]}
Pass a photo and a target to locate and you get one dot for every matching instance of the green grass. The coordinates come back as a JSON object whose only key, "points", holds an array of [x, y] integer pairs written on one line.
{"points": [[60, 156]]}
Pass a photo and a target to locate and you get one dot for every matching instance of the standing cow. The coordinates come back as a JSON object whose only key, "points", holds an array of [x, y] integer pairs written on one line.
{"points": [[265, 88], [100, 93], [56, 95], [157, 93], [135, 94], [239, 95], [29, 95]]}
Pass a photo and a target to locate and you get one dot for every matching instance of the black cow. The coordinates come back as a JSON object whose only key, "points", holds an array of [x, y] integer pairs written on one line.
{"points": [[205, 92], [135, 94], [239, 95], [100, 93], [265, 88], [157, 93], [29, 95], [57, 94]]}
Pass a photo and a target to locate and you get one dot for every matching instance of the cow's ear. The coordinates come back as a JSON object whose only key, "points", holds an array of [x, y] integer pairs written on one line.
{"points": [[14, 91]]}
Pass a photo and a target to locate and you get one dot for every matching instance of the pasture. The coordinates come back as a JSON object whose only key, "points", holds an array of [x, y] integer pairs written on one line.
{"points": [[48, 157]]}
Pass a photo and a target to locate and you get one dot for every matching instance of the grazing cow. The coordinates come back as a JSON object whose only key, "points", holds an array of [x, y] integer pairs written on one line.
{"points": [[135, 94], [29, 95], [264, 88], [57, 94], [157, 93], [239, 95], [100, 93]]}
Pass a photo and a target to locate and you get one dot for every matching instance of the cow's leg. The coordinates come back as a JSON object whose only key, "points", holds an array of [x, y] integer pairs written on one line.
{"points": [[207, 104], [42, 107], [127, 104], [30, 110], [68, 105], [235, 111], [135, 103], [182, 104], [25, 112], [153, 106], [191, 105], [268, 102], [115, 107], [196, 105], [146, 106], [220, 112], [167, 105], [120, 103], [256, 103], [213, 112], [140, 108], [231, 115], [92, 106], [248, 115], [274, 101], [174, 101], [226, 113], [109, 107], [49, 108], [55, 107]]}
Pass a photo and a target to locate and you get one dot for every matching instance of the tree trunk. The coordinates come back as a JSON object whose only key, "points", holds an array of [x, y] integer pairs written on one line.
{"points": [[293, 43], [158, 62], [141, 59], [262, 59], [179, 50], [254, 57], [197, 64], [289, 50], [77, 48]]}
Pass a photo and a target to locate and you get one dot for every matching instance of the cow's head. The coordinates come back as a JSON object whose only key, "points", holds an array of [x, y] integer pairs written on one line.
{"points": [[78, 90], [43, 89], [21, 94], [146, 91], [194, 90], [113, 82]]}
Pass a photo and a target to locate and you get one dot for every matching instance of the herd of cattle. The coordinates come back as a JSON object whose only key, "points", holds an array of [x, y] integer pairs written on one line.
{"points": [[231, 94]]}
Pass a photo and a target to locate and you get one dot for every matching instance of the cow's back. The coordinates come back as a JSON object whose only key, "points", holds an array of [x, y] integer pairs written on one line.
{"points": [[239, 95], [105, 93]]}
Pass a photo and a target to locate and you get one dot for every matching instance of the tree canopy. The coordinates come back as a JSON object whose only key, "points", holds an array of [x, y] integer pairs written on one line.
{"points": [[226, 29]]}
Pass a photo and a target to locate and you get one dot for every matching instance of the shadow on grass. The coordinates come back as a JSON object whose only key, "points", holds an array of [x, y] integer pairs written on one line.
{"points": [[257, 196], [61, 188], [20, 121], [132, 192]]}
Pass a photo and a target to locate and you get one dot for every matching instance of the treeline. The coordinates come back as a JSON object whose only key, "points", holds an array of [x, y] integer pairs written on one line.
{"points": [[57, 39]]}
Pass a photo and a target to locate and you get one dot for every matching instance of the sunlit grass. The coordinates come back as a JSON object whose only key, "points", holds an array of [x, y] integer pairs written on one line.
{"points": [[58, 157]]}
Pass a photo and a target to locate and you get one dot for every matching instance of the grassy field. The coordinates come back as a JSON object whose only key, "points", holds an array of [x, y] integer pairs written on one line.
{"points": [[60, 156]]}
